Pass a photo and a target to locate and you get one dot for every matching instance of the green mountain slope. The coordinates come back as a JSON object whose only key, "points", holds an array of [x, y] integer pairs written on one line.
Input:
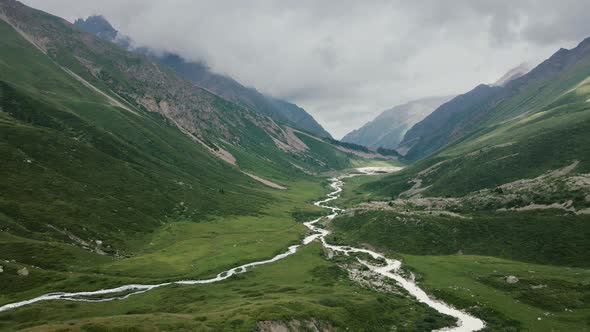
{"points": [[541, 126], [102, 148], [488, 106], [72, 160]]}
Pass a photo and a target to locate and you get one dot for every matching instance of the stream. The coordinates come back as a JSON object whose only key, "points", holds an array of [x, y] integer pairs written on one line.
{"points": [[465, 321]]}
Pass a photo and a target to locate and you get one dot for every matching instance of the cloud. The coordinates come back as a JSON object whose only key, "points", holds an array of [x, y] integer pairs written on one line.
{"points": [[345, 61]]}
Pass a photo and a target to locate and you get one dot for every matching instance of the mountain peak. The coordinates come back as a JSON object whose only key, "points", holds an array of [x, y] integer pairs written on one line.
{"points": [[513, 74], [97, 25]]}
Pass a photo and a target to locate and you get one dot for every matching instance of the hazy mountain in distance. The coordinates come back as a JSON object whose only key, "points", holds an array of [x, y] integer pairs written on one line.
{"points": [[222, 85], [513, 74], [388, 128]]}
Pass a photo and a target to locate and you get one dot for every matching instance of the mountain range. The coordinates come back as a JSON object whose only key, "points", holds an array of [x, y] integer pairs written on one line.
{"points": [[125, 166], [201, 75]]}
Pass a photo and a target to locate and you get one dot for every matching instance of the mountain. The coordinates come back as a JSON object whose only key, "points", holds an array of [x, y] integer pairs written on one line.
{"points": [[222, 85], [101, 143], [497, 200], [493, 136], [435, 131], [513, 74], [116, 170], [99, 26], [388, 128], [488, 106]]}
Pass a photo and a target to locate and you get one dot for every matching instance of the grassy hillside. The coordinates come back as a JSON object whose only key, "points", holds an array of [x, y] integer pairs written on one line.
{"points": [[520, 236], [486, 107], [73, 161], [524, 147], [89, 178]]}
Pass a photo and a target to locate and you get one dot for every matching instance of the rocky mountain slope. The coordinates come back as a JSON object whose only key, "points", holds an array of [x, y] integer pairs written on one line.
{"points": [[388, 128], [222, 85]]}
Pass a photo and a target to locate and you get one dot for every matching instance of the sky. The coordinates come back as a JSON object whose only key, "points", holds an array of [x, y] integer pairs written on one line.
{"points": [[345, 61]]}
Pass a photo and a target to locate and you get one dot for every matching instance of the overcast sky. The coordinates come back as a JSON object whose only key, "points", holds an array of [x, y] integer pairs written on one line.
{"points": [[346, 61]]}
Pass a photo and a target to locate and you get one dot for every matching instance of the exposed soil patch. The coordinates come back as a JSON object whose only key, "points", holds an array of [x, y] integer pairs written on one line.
{"points": [[265, 182], [294, 325]]}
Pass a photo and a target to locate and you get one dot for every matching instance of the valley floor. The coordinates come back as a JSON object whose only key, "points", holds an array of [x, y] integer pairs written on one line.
{"points": [[305, 288], [312, 289]]}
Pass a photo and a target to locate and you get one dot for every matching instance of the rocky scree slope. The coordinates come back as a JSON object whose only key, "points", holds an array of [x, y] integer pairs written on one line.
{"points": [[222, 85]]}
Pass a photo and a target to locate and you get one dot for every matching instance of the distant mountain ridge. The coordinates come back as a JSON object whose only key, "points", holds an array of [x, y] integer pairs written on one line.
{"points": [[388, 128], [486, 105], [222, 85]]}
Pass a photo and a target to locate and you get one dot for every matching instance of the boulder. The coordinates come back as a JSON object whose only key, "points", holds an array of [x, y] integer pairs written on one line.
{"points": [[511, 279], [23, 272]]}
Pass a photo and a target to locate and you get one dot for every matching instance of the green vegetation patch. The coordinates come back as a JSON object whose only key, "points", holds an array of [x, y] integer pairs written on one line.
{"points": [[541, 237], [294, 288]]}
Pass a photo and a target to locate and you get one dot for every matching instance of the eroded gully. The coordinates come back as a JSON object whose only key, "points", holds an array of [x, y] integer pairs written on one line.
{"points": [[391, 269]]}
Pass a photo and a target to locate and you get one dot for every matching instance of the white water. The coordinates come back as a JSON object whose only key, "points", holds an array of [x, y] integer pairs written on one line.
{"points": [[465, 322]]}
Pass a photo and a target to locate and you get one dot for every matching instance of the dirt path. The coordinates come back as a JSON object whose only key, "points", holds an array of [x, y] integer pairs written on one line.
{"points": [[265, 181]]}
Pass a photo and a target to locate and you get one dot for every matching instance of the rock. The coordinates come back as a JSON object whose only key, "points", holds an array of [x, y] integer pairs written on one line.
{"points": [[538, 286], [328, 252], [511, 279], [23, 272]]}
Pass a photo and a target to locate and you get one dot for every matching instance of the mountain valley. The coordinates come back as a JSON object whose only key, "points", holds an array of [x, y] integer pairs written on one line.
{"points": [[142, 191]]}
